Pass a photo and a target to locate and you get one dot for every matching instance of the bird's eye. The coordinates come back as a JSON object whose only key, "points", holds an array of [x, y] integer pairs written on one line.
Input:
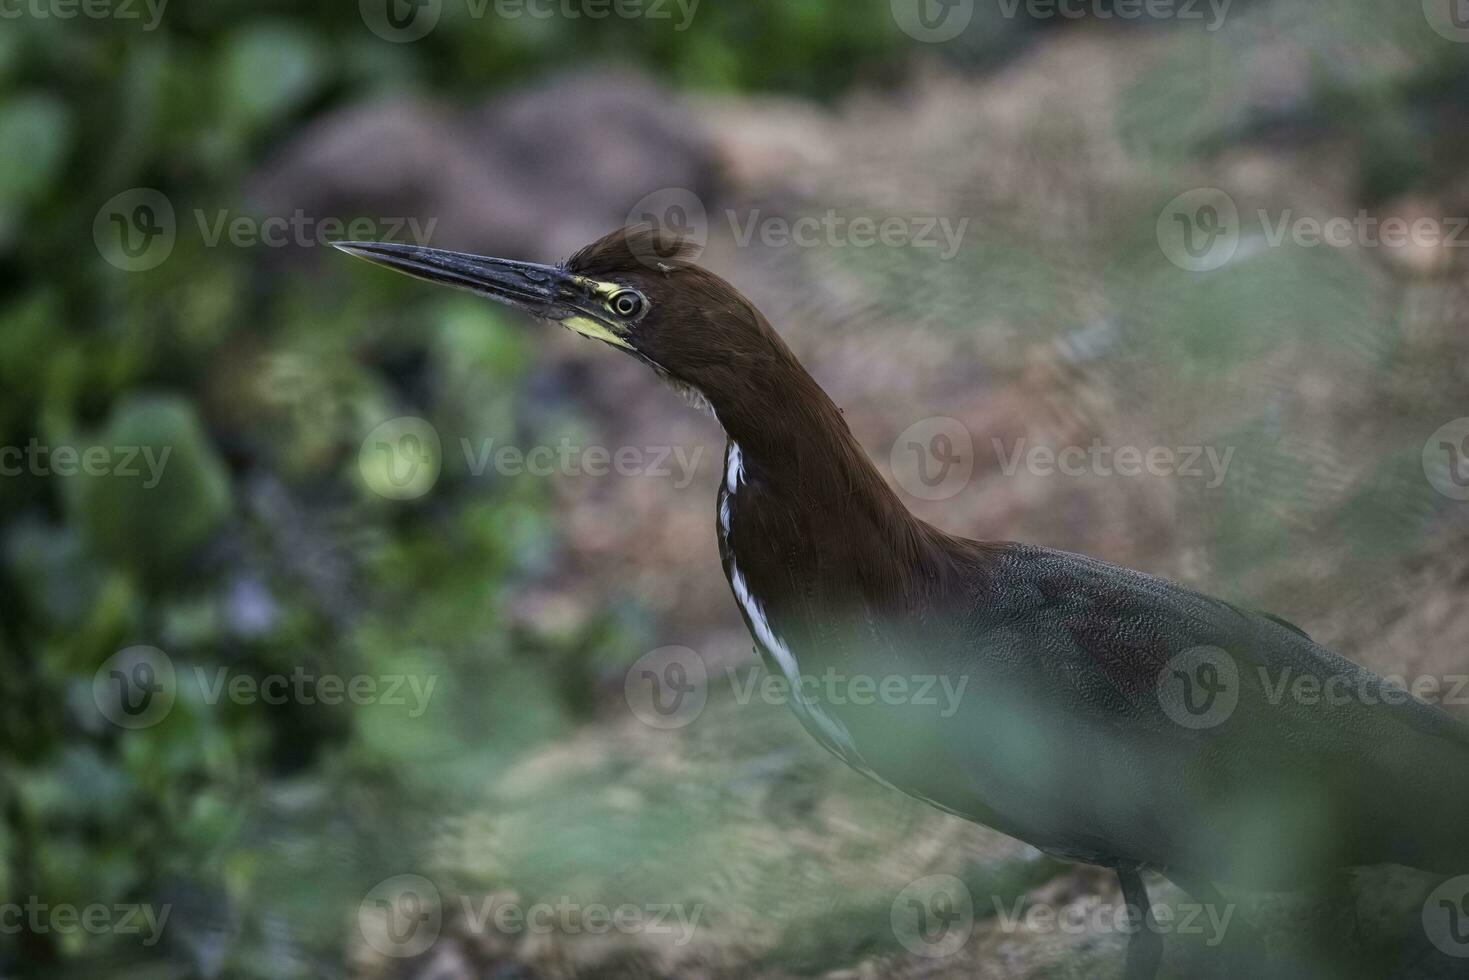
{"points": [[628, 304]]}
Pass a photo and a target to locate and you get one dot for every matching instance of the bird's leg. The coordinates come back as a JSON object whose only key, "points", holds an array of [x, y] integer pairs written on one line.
{"points": [[1145, 948]]}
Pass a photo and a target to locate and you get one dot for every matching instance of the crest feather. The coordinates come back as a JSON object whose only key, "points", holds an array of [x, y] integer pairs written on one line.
{"points": [[637, 246]]}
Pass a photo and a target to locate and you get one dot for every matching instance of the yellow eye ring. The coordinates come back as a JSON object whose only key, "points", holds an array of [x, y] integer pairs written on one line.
{"points": [[627, 304]]}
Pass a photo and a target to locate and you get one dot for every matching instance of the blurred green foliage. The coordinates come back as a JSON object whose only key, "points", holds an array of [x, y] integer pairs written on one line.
{"points": [[259, 551]]}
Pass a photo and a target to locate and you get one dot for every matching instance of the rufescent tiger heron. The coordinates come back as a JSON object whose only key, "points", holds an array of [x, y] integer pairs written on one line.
{"points": [[1107, 716]]}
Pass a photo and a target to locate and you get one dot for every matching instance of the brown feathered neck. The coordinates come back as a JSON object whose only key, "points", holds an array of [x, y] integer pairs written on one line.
{"points": [[794, 444], [704, 335], [794, 441]]}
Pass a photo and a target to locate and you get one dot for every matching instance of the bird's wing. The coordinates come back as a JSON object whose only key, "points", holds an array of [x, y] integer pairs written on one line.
{"points": [[1101, 657], [1126, 627]]}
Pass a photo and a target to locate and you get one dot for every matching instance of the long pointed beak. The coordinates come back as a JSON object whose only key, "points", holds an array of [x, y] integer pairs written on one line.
{"points": [[542, 290]]}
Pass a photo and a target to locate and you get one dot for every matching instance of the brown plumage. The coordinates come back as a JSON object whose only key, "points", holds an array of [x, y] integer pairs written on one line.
{"points": [[1073, 677], [720, 346]]}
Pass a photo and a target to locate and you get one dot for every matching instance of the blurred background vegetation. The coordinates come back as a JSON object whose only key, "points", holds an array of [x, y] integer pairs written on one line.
{"points": [[264, 551]]}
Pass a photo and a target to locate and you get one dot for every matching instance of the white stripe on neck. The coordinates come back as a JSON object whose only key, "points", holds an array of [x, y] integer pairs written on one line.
{"points": [[834, 732], [734, 470]]}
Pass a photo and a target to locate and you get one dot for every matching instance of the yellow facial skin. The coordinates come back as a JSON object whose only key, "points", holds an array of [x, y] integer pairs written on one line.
{"points": [[597, 329], [588, 327]]}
